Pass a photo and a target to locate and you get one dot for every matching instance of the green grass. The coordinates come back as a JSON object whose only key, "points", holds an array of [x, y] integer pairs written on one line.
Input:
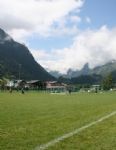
{"points": [[29, 120]]}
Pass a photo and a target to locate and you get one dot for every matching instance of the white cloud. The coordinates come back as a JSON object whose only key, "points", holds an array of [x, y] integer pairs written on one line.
{"points": [[24, 18], [93, 46], [88, 20], [28, 16], [75, 19]]}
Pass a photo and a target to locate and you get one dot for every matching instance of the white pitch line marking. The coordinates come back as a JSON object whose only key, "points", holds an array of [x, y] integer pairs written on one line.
{"points": [[70, 134]]}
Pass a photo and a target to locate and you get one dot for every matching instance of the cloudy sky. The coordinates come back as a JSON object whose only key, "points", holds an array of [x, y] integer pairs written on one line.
{"points": [[63, 34]]}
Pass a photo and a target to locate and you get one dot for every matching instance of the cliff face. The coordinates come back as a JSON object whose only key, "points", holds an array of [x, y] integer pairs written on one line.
{"points": [[15, 58]]}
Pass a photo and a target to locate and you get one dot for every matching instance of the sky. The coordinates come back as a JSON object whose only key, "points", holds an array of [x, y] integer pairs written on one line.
{"points": [[63, 34]]}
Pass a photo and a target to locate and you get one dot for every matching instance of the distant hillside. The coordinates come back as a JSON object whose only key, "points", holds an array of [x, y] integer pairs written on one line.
{"points": [[84, 71], [87, 75], [71, 73], [104, 69], [17, 61], [56, 74], [87, 79]]}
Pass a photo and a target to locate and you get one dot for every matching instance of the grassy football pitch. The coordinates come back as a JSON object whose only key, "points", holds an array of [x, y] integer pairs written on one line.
{"points": [[33, 119]]}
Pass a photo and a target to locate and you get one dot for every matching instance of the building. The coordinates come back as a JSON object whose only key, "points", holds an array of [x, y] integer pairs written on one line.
{"points": [[16, 84], [35, 85], [55, 87]]}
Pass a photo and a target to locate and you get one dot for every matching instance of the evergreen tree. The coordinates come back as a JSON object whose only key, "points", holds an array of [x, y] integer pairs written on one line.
{"points": [[107, 82]]}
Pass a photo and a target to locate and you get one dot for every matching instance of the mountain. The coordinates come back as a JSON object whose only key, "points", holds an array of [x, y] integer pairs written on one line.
{"points": [[84, 71], [102, 70], [87, 79], [55, 74], [71, 73], [16, 61], [105, 69], [97, 74], [89, 76]]}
